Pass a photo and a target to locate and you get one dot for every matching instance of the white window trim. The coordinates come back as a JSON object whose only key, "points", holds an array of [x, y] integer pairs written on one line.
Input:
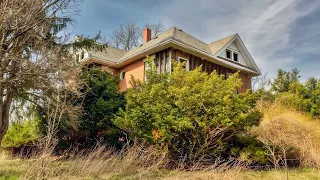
{"points": [[187, 62], [234, 52], [121, 74], [231, 54], [232, 57]]}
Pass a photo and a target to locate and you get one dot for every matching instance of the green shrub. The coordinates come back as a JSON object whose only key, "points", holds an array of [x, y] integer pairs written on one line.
{"points": [[101, 101], [21, 133], [191, 114]]}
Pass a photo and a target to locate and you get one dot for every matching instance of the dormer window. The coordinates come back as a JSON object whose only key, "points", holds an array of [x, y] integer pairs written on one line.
{"points": [[235, 56], [228, 54]]}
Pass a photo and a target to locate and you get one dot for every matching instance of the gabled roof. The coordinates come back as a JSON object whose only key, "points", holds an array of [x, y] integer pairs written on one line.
{"points": [[180, 38], [217, 45]]}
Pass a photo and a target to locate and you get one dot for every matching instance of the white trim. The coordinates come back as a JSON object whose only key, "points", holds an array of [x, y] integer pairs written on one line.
{"points": [[230, 53], [122, 74], [245, 50], [222, 61], [215, 57], [234, 52], [187, 62]]}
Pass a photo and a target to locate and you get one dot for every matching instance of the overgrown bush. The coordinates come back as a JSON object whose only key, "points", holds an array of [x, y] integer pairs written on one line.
{"points": [[101, 101], [293, 94], [192, 115], [21, 133]]}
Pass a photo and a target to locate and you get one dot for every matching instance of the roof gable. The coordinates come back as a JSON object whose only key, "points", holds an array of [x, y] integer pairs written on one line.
{"points": [[241, 47], [218, 45]]}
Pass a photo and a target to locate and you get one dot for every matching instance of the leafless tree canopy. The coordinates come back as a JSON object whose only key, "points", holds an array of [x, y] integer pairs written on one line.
{"points": [[129, 35], [31, 63]]}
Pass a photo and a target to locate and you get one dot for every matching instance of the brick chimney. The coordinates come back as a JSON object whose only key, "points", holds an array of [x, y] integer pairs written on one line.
{"points": [[146, 35]]}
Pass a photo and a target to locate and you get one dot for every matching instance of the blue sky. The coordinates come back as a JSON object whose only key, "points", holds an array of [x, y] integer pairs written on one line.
{"points": [[278, 33]]}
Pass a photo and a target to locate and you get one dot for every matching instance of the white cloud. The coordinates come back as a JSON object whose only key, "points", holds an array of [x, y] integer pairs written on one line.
{"points": [[266, 27]]}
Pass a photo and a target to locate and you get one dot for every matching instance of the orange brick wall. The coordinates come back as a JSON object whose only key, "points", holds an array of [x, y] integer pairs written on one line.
{"points": [[135, 69]]}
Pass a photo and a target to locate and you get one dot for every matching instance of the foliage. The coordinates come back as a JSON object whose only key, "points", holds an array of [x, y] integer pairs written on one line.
{"points": [[284, 80], [293, 94], [35, 58], [100, 102], [21, 133], [190, 113]]}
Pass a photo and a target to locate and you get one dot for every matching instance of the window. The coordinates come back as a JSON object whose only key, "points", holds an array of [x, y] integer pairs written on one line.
{"points": [[82, 55], [228, 54], [186, 61], [235, 56], [122, 74]]}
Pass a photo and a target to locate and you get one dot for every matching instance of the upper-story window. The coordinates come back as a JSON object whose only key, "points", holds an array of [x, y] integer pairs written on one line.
{"points": [[232, 55], [235, 56], [186, 61], [228, 54]]}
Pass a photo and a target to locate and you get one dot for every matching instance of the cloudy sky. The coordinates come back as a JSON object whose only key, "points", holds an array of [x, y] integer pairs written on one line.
{"points": [[278, 33]]}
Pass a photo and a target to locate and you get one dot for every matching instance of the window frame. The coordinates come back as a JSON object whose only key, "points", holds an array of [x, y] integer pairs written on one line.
{"points": [[228, 50], [122, 74], [187, 62], [233, 53]]}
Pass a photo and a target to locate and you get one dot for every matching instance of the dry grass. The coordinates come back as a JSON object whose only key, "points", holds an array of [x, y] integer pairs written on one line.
{"points": [[295, 133], [138, 162]]}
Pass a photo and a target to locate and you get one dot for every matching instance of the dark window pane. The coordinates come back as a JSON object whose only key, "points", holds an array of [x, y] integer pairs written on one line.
{"points": [[235, 57], [228, 54]]}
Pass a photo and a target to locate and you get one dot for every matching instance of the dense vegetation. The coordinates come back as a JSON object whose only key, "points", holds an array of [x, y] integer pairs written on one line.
{"points": [[190, 114], [293, 94], [101, 101]]}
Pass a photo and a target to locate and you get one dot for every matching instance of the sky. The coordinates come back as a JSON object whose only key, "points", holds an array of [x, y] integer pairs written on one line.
{"points": [[278, 33]]}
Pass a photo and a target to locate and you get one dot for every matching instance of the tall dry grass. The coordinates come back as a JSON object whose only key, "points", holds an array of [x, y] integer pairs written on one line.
{"points": [[292, 133], [135, 162], [98, 162]]}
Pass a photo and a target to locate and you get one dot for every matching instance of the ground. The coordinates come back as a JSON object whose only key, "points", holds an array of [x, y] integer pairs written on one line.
{"points": [[15, 169]]}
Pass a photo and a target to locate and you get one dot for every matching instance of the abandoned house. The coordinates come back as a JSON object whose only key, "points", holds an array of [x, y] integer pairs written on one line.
{"points": [[225, 56]]}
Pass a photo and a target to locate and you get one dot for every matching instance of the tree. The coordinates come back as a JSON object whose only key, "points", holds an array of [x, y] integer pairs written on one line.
{"points": [[191, 114], [101, 101], [35, 61], [129, 35], [284, 79]]}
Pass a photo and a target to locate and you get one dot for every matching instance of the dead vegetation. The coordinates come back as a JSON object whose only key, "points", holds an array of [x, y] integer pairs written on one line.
{"points": [[289, 135], [296, 135]]}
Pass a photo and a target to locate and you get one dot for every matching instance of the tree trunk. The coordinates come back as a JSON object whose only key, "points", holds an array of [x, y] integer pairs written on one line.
{"points": [[4, 124]]}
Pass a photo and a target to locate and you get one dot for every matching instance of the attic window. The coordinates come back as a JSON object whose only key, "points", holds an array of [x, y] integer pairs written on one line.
{"points": [[228, 54], [122, 74], [235, 56]]}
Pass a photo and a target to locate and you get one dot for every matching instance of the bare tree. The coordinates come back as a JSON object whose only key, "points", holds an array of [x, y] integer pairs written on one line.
{"points": [[126, 37], [259, 82], [129, 36], [33, 65], [155, 28]]}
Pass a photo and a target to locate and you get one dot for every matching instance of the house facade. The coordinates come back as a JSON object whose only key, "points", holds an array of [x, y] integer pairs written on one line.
{"points": [[225, 56]]}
